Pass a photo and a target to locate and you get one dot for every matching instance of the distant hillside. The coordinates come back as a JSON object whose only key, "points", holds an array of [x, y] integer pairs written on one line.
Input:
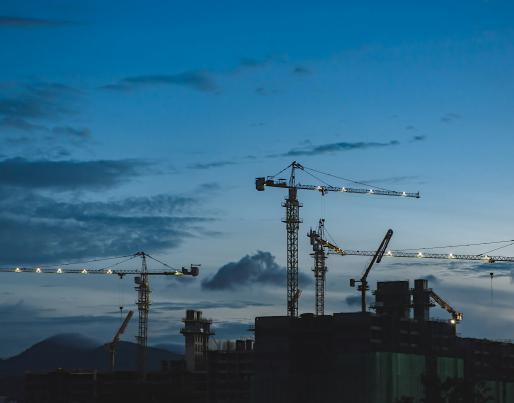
{"points": [[72, 351]]}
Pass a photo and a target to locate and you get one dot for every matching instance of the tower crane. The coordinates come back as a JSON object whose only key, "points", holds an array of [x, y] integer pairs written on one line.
{"points": [[141, 280], [292, 218], [377, 257], [320, 269], [456, 315], [111, 347]]}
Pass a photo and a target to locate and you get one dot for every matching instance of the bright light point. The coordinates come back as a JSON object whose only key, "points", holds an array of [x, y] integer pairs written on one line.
{"points": [[453, 321], [17, 270], [451, 256], [38, 270], [84, 271], [404, 194], [371, 190], [420, 254], [389, 253], [109, 271], [59, 271], [343, 189]]}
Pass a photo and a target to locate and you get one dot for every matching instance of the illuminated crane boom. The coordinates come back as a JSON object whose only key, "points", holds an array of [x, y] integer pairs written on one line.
{"points": [[292, 218], [413, 255], [456, 315]]}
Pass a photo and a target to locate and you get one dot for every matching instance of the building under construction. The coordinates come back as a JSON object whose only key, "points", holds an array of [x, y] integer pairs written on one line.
{"points": [[396, 354]]}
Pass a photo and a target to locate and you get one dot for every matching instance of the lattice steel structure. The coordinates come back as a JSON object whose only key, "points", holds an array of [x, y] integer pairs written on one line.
{"points": [[292, 219], [143, 306], [319, 269]]}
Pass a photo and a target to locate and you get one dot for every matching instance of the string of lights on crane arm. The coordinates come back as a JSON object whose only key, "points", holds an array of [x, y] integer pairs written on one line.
{"points": [[112, 269]]}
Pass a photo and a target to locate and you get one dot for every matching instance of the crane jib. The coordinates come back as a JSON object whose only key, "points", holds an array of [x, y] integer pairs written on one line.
{"points": [[261, 183]]}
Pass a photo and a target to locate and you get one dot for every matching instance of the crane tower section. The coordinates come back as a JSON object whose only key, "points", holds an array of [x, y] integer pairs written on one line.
{"points": [[320, 268], [292, 218]]}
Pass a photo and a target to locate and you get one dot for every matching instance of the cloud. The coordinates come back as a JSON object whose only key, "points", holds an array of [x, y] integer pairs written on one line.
{"points": [[72, 132], [67, 175], [355, 300], [38, 229], [418, 138], [209, 165], [28, 112], [204, 305], [301, 70], [259, 268], [21, 22], [196, 80], [335, 147], [450, 117], [249, 62]]}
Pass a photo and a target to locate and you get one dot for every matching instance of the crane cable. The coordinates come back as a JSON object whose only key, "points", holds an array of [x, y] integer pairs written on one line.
{"points": [[164, 264], [91, 261], [347, 180], [509, 241]]}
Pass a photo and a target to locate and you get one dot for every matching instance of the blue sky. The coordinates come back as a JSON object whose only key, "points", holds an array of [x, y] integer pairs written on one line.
{"points": [[135, 125]]}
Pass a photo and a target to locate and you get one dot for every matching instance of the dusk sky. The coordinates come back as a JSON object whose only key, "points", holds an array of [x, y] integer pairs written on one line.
{"points": [[131, 125]]}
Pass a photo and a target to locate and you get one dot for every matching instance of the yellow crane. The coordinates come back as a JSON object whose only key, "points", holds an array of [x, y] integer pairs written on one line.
{"points": [[316, 238]]}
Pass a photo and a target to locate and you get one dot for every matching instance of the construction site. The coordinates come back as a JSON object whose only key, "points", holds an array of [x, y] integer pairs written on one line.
{"points": [[391, 350]]}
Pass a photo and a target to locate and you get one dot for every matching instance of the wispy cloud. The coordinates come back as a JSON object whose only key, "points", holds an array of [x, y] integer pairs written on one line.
{"points": [[450, 117], [213, 164], [28, 117], [418, 138], [196, 80], [335, 147], [67, 175], [301, 70], [12, 21], [54, 230]]}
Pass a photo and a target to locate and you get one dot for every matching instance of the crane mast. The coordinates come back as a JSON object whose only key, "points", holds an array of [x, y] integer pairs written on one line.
{"points": [[292, 219], [143, 306], [320, 269]]}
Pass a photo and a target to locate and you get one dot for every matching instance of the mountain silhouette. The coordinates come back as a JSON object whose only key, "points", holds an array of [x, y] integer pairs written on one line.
{"points": [[74, 351]]}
